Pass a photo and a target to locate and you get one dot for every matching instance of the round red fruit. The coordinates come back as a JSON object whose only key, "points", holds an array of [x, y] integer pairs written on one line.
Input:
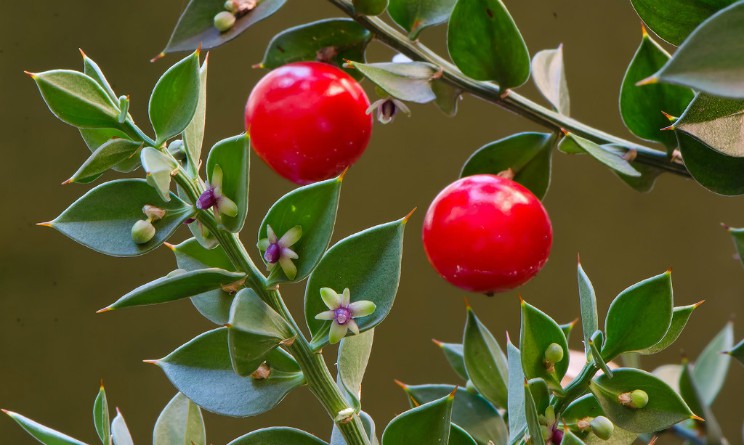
{"points": [[308, 121], [485, 233]]}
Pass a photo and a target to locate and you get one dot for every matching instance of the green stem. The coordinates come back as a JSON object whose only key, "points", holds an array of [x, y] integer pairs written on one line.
{"points": [[576, 388], [508, 99]]}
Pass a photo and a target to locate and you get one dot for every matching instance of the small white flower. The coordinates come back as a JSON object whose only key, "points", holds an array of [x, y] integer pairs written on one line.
{"points": [[278, 250], [343, 312]]}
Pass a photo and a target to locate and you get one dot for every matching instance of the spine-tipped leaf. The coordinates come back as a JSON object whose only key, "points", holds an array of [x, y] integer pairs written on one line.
{"points": [[180, 423], [175, 97], [485, 361]]}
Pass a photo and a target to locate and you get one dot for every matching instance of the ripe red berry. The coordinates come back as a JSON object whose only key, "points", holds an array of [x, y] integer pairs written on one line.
{"points": [[308, 121], [485, 233]]}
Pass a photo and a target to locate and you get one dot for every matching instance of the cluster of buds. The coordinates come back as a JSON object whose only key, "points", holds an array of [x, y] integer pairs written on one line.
{"points": [[144, 230], [234, 9], [634, 399], [553, 354]]}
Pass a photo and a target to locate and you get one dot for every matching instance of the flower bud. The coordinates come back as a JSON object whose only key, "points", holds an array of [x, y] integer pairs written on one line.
{"points": [[554, 353], [635, 399], [153, 213], [602, 427], [143, 231], [224, 20]]}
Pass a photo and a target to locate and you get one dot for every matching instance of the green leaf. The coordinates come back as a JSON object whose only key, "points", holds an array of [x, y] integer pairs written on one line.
{"points": [[92, 70], [95, 137], [277, 436], [674, 20], [409, 81], [177, 286], [588, 303], [716, 122], [664, 409], [515, 408], [540, 393], [528, 155], [102, 219], [458, 436], [690, 392], [353, 357], [120, 431], [715, 171], [345, 37], [470, 411], [680, 315], [454, 354], [570, 438], [368, 263], [567, 328], [415, 15], [180, 423], [77, 99], [195, 27], [531, 414], [427, 424], [642, 108], [202, 371], [538, 331], [643, 183], [573, 144], [108, 155], [639, 316], [737, 352], [549, 75], [233, 157], [159, 168], [712, 364], [485, 361], [312, 207], [706, 61], [214, 304], [369, 7], [101, 416], [485, 43], [193, 135], [175, 97], [43, 434], [587, 406], [447, 96]]}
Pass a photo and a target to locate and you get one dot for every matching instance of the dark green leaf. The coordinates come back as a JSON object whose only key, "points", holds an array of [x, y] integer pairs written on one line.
{"points": [[664, 408], [233, 157], [470, 411], [642, 108], [95, 137], [550, 77], [515, 408], [528, 155], [639, 316], [737, 352], [454, 354], [102, 219], [588, 302], [368, 263], [712, 364], [540, 393], [101, 417], [643, 183], [343, 39], [202, 371], [214, 304], [353, 357], [409, 81], [458, 436], [43, 434], [120, 431], [680, 315], [690, 392], [193, 135], [427, 424], [709, 60], [175, 97], [537, 332], [485, 361], [715, 171], [415, 15], [313, 208], [573, 144], [180, 423], [715, 121], [195, 27], [531, 414], [369, 7], [77, 99], [674, 20], [92, 70], [108, 155], [278, 436], [485, 43], [587, 406]]}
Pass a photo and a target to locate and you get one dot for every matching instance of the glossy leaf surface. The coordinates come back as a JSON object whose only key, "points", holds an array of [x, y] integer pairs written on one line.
{"points": [[538, 331], [674, 20], [715, 171], [180, 423], [415, 15], [233, 157], [485, 361], [175, 97], [715, 121]]}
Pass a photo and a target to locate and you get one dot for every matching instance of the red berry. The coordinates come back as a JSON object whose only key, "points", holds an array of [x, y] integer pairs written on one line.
{"points": [[485, 233], [308, 121]]}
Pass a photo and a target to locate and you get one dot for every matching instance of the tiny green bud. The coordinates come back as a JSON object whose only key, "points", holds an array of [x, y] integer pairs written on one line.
{"points": [[602, 427], [224, 20], [230, 6], [124, 108], [142, 231], [550, 414], [635, 399], [554, 353]]}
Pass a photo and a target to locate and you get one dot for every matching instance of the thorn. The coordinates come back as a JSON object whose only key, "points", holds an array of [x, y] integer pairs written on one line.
{"points": [[32, 75], [101, 384], [150, 362], [578, 258], [118, 411], [437, 342], [157, 57], [45, 224], [407, 217], [669, 270], [669, 116], [653, 440], [508, 340], [698, 304], [198, 49], [467, 304], [10, 413], [106, 309], [170, 246], [726, 226], [69, 181], [401, 384], [565, 132], [647, 81], [82, 53], [669, 128], [644, 31], [698, 418], [257, 66], [521, 300], [206, 59], [340, 177], [451, 395]]}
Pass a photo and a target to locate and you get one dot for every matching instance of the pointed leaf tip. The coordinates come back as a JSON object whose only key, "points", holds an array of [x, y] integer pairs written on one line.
{"points": [[698, 304], [437, 342], [647, 81], [30, 74], [407, 217], [45, 224], [696, 417], [106, 309], [343, 174], [157, 57], [401, 384], [644, 31], [82, 53], [151, 362], [68, 181], [468, 307]]}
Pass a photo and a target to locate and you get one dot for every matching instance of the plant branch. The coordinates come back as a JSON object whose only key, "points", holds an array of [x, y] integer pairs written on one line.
{"points": [[576, 388], [508, 99]]}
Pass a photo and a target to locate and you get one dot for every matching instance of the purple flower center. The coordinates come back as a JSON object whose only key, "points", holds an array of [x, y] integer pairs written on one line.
{"points": [[207, 199], [342, 315], [273, 252], [556, 436], [388, 109]]}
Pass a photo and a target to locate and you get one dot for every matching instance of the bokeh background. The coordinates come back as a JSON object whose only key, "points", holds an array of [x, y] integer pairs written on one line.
{"points": [[54, 349]]}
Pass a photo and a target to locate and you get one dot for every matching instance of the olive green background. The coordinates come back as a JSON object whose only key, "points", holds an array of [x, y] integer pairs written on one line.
{"points": [[54, 349]]}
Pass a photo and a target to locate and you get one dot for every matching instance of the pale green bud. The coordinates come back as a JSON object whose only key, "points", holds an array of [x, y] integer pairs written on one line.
{"points": [[602, 427], [224, 20], [142, 232], [554, 353]]}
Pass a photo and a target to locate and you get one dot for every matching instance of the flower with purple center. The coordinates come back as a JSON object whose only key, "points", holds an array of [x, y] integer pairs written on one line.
{"points": [[343, 312], [387, 108], [277, 250], [213, 198]]}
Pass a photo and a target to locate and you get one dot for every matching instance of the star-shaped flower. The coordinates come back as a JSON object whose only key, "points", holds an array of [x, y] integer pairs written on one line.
{"points": [[212, 197], [342, 312], [278, 250]]}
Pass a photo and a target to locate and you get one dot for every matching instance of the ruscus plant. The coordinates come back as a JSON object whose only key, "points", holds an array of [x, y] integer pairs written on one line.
{"points": [[310, 120]]}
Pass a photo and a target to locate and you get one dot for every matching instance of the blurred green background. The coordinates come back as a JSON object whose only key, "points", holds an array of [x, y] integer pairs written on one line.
{"points": [[54, 349]]}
